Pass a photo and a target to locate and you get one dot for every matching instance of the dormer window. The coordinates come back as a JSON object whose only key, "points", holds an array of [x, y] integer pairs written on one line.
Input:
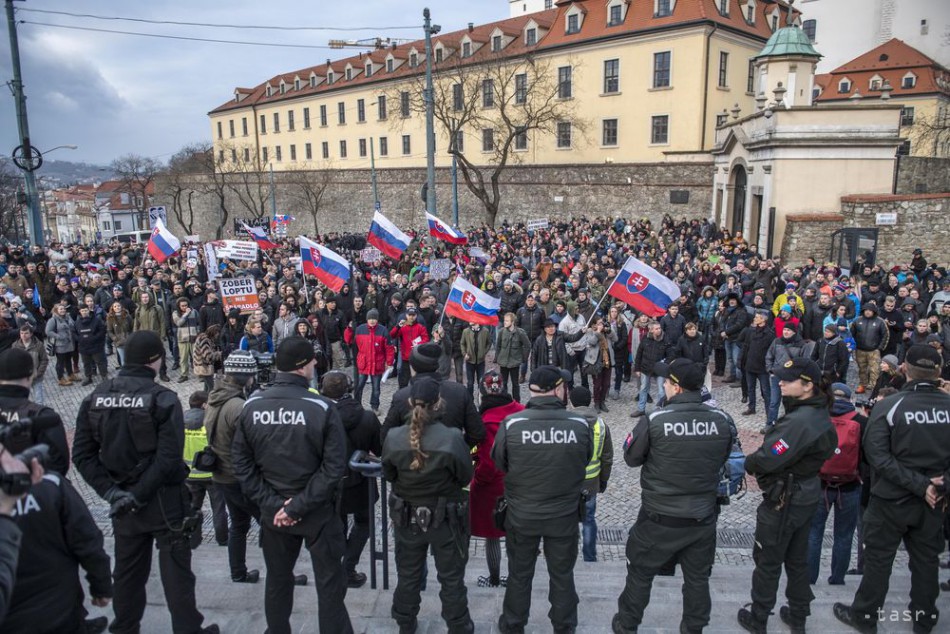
{"points": [[413, 59], [268, 91], [724, 7], [909, 81], [573, 24], [331, 77], [283, 87], [313, 81], [774, 20], [369, 69], [438, 56], [662, 8], [531, 37], [349, 73], [390, 64], [815, 92], [844, 86], [297, 84], [466, 49], [496, 43], [875, 83], [750, 12], [615, 15]]}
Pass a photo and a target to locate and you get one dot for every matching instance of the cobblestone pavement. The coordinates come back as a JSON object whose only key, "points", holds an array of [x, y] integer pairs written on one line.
{"points": [[616, 508]]}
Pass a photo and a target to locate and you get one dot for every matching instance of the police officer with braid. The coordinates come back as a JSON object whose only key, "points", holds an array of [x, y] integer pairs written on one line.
{"points": [[681, 448], [429, 465], [544, 451], [289, 452], [130, 435]]}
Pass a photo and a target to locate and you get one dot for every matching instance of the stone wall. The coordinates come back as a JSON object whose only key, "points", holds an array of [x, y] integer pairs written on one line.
{"points": [[809, 235], [632, 190], [923, 221], [922, 175]]}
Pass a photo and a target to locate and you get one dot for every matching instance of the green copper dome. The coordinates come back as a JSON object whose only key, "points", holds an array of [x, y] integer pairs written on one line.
{"points": [[789, 40]]}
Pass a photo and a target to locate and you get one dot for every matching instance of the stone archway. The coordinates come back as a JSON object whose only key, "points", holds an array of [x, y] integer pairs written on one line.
{"points": [[739, 181]]}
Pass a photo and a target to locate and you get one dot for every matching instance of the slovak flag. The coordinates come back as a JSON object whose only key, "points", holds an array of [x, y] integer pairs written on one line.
{"points": [[644, 288], [326, 265], [440, 230], [162, 244], [260, 237], [469, 304], [387, 237]]}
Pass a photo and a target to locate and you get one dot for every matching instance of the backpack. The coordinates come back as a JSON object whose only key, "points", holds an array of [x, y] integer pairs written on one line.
{"points": [[842, 467], [732, 475]]}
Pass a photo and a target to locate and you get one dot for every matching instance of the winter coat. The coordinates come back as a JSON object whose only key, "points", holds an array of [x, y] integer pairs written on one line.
{"points": [[593, 351], [756, 343], [90, 335], [231, 338], [651, 352], [692, 348], [784, 350], [257, 343], [40, 359], [512, 348], [475, 345], [374, 350], [408, 337], [706, 307], [119, 327], [319, 345], [531, 320], [150, 317], [734, 322], [211, 315], [554, 354], [205, 355], [454, 330], [283, 327], [813, 322], [187, 325], [488, 483], [831, 355], [61, 331], [870, 334]]}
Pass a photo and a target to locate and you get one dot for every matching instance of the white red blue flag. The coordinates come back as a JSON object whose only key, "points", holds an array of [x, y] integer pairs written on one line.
{"points": [[442, 231], [387, 237], [326, 265], [162, 244], [469, 304], [644, 288], [260, 237]]}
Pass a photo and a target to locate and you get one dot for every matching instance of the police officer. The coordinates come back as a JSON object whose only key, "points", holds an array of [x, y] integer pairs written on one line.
{"points": [[289, 453], [598, 470], [130, 434], [16, 372], [460, 410], [786, 467], [544, 451], [907, 444], [430, 466], [681, 448]]}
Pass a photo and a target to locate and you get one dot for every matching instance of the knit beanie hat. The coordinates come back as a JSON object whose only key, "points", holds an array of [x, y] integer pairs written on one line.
{"points": [[372, 313], [425, 357], [293, 353], [143, 347], [15, 364]]}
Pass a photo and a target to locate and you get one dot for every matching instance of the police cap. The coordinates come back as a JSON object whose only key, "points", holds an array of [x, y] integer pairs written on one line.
{"points": [[685, 373], [923, 356], [293, 353], [799, 370]]}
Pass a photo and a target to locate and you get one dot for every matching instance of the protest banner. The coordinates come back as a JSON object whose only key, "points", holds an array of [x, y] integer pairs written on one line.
{"points": [[239, 292], [440, 269], [236, 249], [534, 225], [211, 262], [370, 255]]}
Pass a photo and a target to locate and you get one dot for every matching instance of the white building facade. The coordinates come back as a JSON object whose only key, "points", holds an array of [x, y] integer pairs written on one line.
{"points": [[521, 7]]}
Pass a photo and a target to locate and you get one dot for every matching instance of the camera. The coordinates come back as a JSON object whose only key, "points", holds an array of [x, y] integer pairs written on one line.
{"points": [[15, 438], [866, 403], [265, 367]]}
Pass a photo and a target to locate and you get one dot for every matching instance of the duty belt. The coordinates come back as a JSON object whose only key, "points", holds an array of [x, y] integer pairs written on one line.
{"points": [[678, 522]]}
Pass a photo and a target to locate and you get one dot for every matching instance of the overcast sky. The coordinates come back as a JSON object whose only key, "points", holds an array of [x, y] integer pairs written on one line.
{"points": [[113, 94]]}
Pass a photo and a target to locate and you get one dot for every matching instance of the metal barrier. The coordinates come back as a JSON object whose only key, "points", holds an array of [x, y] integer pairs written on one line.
{"points": [[371, 467]]}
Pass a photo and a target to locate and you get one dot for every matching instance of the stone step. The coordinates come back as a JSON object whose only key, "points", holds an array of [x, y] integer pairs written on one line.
{"points": [[238, 608]]}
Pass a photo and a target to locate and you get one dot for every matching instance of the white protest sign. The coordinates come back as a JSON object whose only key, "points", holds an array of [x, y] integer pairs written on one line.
{"points": [[239, 292], [440, 269], [155, 214], [211, 262], [533, 225], [236, 249], [370, 255], [191, 239]]}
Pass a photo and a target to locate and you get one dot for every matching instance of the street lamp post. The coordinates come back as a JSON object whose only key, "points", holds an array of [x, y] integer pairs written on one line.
{"points": [[430, 30]]}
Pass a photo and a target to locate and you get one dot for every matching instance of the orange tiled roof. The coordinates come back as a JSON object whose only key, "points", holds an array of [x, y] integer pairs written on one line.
{"points": [[639, 19], [890, 61]]}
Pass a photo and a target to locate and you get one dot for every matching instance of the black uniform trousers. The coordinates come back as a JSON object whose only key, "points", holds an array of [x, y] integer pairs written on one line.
{"points": [[560, 553], [451, 557], [920, 528], [281, 549], [240, 512], [777, 545], [649, 547]]}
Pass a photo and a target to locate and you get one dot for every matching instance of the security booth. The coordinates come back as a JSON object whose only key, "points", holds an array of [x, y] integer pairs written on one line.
{"points": [[853, 247]]}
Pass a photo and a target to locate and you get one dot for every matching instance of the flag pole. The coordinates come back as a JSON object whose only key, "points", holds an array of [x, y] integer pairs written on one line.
{"points": [[606, 293]]}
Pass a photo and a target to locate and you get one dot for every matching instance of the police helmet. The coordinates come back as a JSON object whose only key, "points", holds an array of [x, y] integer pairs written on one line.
{"points": [[240, 362]]}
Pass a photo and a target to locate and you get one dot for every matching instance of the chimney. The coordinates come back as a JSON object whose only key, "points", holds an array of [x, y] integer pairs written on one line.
{"points": [[471, 27]]}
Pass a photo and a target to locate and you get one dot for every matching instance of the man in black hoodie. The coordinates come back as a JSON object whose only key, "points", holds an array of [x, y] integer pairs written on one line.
{"points": [[756, 341], [362, 433]]}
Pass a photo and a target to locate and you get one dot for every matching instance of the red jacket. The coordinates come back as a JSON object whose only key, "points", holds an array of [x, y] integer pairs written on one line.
{"points": [[488, 484], [409, 337], [780, 325], [374, 352]]}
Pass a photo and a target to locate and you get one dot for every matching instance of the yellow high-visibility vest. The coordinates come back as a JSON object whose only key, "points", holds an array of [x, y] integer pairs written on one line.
{"points": [[593, 467]]}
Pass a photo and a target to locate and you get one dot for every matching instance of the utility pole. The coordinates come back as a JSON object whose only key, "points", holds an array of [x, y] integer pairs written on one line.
{"points": [[430, 30], [372, 171], [29, 158], [455, 189]]}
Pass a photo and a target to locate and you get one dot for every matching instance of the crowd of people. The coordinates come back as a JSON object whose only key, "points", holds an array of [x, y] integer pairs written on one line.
{"points": [[800, 340]]}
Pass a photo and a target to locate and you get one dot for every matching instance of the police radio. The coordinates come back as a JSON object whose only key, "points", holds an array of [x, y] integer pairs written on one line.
{"points": [[19, 483]]}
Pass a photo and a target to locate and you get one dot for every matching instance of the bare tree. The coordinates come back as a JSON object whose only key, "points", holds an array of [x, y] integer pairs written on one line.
{"points": [[309, 186], [137, 173], [932, 133], [12, 206], [505, 104], [245, 178], [184, 170]]}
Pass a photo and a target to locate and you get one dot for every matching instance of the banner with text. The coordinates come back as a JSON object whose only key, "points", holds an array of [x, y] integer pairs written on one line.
{"points": [[236, 249], [239, 292], [211, 262]]}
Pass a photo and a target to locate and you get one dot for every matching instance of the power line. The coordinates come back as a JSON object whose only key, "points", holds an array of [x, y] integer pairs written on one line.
{"points": [[221, 26], [175, 37]]}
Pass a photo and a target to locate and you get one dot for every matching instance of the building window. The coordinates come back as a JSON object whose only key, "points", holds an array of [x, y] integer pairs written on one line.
{"points": [[610, 132], [611, 76], [233, 155], [723, 69], [660, 129], [369, 70], [721, 120], [548, 4], [306, 118], [661, 69], [361, 111], [750, 77], [323, 115], [496, 43], [247, 155], [264, 155], [293, 152], [459, 141], [362, 147], [488, 140], [724, 7], [573, 24], [564, 84], [381, 105], [907, 115], [413, 60], [296, 84], [383, 146], [521, 138], [904, 149], [277, 154], [331, 77], [276, 122], [844, 86], [466, 49], [390, 65], [231, 127], [117, 225], [308, 151], [458, 101], [438, 56], [616, 15], [220, 132], [908, 82], [815, 92], [564, 134], [342, 149], [313, 81], [290, 120], [663, 9], [341, 113], [521, 88], [875, 84], [349, 74], [406, 145], [263, 124], [488, 93], [244, 126], [774, 20], [325, 149], [404, 104], [531, 37]]}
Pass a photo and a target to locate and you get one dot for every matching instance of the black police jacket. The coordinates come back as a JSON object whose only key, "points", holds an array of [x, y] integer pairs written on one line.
{"points": [[362, 433], [59, 536], [459, 409], [798, 444], [10, 537], [681, 447], [290, 445], [446, 471], [15, 404], [130, 432], [907, 441], [544, 451]]}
